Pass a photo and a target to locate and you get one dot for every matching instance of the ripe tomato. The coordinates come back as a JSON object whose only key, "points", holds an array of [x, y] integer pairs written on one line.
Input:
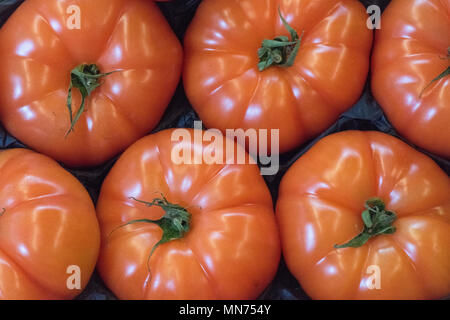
{"points": [[222, 74], [321, 200], [411, 49], [47, 227], [42, 48], [226, 245]]}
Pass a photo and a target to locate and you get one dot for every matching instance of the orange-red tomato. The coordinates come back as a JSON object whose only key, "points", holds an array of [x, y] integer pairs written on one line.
{"points": [[41, 44], [227, 89], [321, 200], [411, 49], [49, 233], [231, 248]]}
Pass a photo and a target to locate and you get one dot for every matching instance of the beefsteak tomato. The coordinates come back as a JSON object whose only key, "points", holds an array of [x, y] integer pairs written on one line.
{"points": [[185, 231], [411, 71], [386, 207], [247, 68], [54, 50], [49, 234]]}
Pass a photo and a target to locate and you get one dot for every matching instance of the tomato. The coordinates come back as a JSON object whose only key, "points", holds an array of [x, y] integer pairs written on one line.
{"points": [[49, 234], [411, 49], [226, 245], [321, 202], [43, 51], [222, 76]]}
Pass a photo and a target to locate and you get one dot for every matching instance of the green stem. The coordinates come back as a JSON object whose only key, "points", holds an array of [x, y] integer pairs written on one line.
{"points": [[85, 78], [2, 212], [175, 223], [445, 73], [377, 220], [280, 51]]}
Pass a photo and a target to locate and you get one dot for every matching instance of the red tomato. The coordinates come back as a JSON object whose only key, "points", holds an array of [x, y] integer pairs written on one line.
{"points": [[40, 47], [227, 89], [412, 48], [48, 229], [228, 248], [320, 204]]}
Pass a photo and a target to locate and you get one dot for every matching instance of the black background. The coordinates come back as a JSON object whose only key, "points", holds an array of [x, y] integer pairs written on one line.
{"points": [[366, 114]]}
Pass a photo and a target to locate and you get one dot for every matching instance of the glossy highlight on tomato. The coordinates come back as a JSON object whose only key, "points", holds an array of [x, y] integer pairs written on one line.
{"points": [[224, 83], [411, 52], [41, 43], [229, 247], [48, 229], [320, 205]]}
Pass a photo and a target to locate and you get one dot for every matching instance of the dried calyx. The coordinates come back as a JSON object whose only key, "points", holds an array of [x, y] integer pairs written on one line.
{"points": [[281, 51], [445, 73], [377, 220], [86, 78], [175, 223]]}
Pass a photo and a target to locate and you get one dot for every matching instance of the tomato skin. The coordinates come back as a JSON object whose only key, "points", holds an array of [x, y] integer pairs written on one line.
{"points": [[49, 224], [232, 249], [320, 202], [38, 53], [223, 83], [409, 52]]}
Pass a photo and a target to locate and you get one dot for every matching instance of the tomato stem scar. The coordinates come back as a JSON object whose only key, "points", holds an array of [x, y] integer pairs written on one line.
{"points": [[175, 223], [280, 51], [377, 220], [85, 78], [445, 73]]}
